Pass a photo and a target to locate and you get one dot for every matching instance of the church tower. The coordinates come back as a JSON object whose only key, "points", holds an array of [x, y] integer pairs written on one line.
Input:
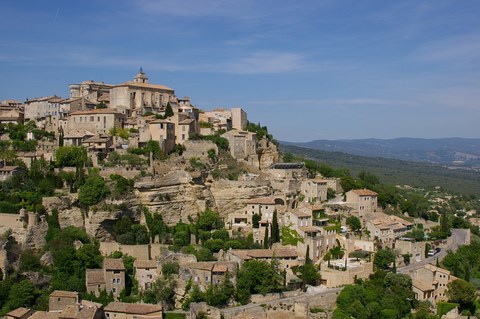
{"points": [[140, 77]]}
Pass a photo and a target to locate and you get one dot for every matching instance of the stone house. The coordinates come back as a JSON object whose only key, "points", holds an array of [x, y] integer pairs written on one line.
{"points": [[287, 177], [98, 121], [263, 206], [416, 249], [111, 277], [95, 92], [19, 313], [186, 128], [76, 137], [163, 131], [242, 143], [286, 257], [123, 310], [8, 171], [11, 116], [98, 146], [430, 283], [387, 228], [314, 190], [60, 299], [146, 272], [38, 108], [207, 273], [364, 200]]}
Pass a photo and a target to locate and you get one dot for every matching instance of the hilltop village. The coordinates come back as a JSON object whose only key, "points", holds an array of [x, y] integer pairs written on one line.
{"points": [[126, 201]]}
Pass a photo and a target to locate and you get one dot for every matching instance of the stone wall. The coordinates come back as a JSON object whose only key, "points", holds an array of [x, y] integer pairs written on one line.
{"points": [[198, 149], [143, 252]]}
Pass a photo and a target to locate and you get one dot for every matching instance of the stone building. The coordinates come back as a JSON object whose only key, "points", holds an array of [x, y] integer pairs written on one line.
{"points": [[60, 299], [38, 108], [139, 96], [242, 143], [364, 200], [111, 277], [415, 249], [146, 272], [314, 189], [286, 257], [430, 283], [19, 313], [163, 131], [387, 228], [208, 273], [123, 310], [98, 121], [95, 92], [11, 116]]}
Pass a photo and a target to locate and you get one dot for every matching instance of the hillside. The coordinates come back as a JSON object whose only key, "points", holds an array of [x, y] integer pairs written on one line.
{"points": [[462, 152], [397, 171]]}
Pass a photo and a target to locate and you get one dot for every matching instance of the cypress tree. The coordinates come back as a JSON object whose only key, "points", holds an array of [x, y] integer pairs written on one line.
{"points": [[265, 238], [168, 110], [275, 229]]}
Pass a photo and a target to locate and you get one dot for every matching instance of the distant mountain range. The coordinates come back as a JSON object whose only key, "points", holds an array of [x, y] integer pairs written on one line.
{"points": [[460, 152]]}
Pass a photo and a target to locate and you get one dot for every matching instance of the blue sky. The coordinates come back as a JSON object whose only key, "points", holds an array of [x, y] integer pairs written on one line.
{"points": [[306, 69]]}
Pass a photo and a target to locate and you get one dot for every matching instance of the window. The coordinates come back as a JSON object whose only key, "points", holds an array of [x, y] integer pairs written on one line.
{"points": [[92, 118], [114, 290], [113, 280], [118, 280], [207, 278]]}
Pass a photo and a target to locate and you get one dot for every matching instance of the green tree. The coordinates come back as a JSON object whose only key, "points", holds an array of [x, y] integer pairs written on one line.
{"points": [[220, 295], [162, 290], [461, 292], [275, 236], [257, 277], [93, 191], [21, 294], [266, 240], [384, 258], [169, 110], [354, 223], [209, 220], [71, 156]]}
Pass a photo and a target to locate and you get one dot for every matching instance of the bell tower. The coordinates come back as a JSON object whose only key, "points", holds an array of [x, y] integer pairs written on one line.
{"points": [[140, 77]]}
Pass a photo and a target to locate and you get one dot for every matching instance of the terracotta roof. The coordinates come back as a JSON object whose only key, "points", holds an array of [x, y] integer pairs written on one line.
{"points": [[435, 268], [130, 308], [142, 264], [422, 285], [45, 315], [78, 134], [113, 264], [9, 168], [98, 139], [202, 265], [64, 294], [19, 312], [156, 121], [310, 229], [187, 121], [97, 111], [87, 313], [301, 212], [262, 200], [265, 253], [69, 312], [94, 277], [146, 85], [364, 192]]}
